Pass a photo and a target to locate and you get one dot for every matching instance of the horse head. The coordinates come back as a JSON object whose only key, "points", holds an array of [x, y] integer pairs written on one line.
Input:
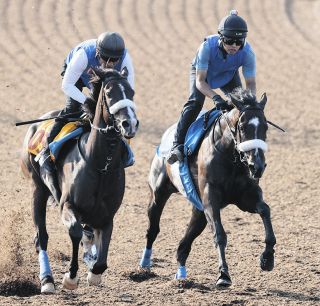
{"points": [[251, 130], [117, 100]]}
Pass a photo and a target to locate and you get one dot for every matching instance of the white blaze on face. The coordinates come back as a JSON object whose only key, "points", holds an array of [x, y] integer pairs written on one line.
{"points": [[132, 115], [255, 122]]}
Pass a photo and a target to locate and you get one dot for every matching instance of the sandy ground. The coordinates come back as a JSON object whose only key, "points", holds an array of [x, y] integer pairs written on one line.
{"points": [[162, 37]]}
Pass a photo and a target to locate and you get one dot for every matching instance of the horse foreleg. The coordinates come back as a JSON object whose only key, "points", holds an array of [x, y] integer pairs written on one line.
{"points": [[102, 241], [39, 203], [267, 257], [197, 224], [70, 280]]}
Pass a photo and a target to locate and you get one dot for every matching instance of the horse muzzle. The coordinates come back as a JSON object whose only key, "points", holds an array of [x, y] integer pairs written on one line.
{"points": [[128, 128], [257, 168]]}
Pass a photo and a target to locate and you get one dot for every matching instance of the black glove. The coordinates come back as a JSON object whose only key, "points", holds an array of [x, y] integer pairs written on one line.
{"points": [[89, 106], [220, 103]]}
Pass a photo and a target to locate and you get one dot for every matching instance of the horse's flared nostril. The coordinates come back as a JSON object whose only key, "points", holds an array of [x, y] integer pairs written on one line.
{"points": [[125, 124], [137, 124]]}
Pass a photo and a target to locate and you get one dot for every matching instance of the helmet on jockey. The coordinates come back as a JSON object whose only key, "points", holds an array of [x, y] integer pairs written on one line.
{"points": [[233, 27], [110, 46]]}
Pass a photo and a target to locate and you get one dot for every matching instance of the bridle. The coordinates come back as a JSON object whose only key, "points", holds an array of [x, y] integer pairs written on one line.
{"points": [[111, 131], [240, 148], [111, 110]]}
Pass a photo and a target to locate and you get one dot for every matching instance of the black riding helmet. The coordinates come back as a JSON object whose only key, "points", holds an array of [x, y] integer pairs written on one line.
{"points": [[110, 45], [233, 26]]}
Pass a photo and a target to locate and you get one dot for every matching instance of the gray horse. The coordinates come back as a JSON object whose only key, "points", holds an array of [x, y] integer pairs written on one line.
{"points": [[91, 177], [226, 169]]}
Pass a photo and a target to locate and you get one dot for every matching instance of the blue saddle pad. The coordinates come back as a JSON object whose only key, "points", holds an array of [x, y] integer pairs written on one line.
{"points": [[55, 146], [193, 139]]}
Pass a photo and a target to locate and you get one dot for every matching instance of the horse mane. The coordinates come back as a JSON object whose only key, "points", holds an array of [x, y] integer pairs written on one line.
{"points": [[100, 73], [245, 96]]}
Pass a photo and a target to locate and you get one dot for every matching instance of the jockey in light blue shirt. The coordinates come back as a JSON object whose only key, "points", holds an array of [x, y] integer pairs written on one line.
{"points": [[216, 65]]}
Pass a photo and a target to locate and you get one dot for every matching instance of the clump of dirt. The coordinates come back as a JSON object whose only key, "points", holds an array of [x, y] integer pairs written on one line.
{"points": [[139, 275], [19, 287]]}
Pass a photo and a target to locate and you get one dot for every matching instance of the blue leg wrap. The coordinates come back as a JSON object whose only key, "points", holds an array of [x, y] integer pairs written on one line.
{"points": [[145, 261], [44, 265], [181, 273]]}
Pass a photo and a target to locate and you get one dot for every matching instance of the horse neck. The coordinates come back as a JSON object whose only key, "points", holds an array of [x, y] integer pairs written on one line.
{"points": [[100, 146], [223, 135]]}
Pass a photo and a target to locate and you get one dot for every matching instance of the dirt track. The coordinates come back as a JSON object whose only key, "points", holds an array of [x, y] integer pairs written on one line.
{"points": [[162, 37]]}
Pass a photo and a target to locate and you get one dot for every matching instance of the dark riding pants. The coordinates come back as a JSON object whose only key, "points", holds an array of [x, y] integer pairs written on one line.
{"points": [[195, 103]]}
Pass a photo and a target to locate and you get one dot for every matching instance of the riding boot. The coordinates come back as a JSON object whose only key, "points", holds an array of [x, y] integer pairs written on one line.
{"points": [[188, 115], [48, 174]]}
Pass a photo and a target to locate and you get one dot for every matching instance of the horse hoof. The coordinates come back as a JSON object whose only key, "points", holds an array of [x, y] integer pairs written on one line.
{"points": [[267, 261], [70, 283], [94, 279], [181, 273], [224, 280], [47, 285]]}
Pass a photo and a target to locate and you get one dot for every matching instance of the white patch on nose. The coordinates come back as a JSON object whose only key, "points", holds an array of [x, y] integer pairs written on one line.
{"points": [[133, 118]]}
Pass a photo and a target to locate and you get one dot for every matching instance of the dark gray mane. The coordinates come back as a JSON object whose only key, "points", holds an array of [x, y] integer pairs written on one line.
{"points": [[245, 96]]}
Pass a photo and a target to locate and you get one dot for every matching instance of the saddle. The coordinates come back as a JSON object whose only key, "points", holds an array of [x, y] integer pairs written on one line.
{"points": [[193, 139], [71, 130], [39, 140]]}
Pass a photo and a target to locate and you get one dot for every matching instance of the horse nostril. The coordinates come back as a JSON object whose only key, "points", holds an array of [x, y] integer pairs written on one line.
{"points": [[125, 124], [137, 125]]}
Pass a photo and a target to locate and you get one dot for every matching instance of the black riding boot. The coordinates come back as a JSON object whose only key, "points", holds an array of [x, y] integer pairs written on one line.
{"points": [[47, 167], [188, 115]]}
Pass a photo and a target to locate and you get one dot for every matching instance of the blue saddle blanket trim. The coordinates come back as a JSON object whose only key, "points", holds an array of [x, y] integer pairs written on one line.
{"points": [[192, 141], [55, 146]]}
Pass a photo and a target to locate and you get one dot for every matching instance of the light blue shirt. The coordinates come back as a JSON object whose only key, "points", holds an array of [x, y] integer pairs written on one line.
{"points": [[220, 70]]}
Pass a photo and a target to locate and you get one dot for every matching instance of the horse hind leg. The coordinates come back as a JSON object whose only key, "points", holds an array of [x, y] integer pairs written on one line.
{"points": [[70, 280], [160, 190], [267, 257], [39, 201], [196, 226]]}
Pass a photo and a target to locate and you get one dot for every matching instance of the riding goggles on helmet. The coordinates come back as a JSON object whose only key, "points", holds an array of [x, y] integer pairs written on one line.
{"points": [[230, 41], [109, 59]]}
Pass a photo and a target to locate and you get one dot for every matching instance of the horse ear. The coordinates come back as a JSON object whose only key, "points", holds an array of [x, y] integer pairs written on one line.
{"points": [[95, 74], [263, 100], [124, 72], [235, 102]]}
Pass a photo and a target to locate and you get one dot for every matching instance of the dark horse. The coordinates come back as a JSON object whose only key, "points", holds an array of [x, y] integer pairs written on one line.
{"points": [[91, 178], [226, 169]]}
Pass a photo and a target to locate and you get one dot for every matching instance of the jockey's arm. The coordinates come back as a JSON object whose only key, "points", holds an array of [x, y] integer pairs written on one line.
{"points": [[74, 70], [127, 62], [202, 85], [251, 84]]}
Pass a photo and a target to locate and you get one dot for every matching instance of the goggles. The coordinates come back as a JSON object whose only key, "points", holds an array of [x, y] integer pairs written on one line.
{"points": [[231, 41]]}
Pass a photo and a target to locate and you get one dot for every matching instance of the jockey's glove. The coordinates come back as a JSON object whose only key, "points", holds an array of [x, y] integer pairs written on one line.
{"points": [[220, 103], [89, 106]]}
